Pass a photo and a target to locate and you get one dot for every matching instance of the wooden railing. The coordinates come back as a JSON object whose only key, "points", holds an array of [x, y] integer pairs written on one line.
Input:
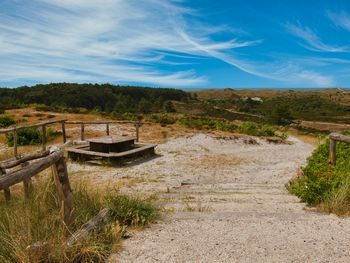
{"points": [[39, 162], [43, 126], [82, 124], [63, 123], [334, 138]]}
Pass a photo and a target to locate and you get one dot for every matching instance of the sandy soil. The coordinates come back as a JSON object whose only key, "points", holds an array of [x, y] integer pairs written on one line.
{"points": [[233, 208]]}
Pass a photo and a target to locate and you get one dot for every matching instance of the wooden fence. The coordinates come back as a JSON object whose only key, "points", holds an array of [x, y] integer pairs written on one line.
{"points": [[39, 162], [334, 138], [43, 126]]}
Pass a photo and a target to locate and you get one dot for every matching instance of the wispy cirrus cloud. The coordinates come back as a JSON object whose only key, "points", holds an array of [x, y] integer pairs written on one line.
{"points": [[312, 40], [126, 41], [341, 19], [119, 40]]}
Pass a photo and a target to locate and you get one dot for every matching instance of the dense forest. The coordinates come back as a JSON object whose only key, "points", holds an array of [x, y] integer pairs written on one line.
{"points": [[103, 97]]}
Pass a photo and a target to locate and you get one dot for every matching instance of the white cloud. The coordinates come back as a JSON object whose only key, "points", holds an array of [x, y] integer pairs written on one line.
{"points": [[341, 19], [312, 40], [124, 41]]}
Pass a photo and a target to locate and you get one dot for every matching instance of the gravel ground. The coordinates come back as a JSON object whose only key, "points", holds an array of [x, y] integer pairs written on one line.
{"points": [[234, 208]]}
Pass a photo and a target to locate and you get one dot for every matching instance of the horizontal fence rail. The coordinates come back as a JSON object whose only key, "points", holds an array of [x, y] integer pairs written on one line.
{"points": [[39, 162], [334, 138]]}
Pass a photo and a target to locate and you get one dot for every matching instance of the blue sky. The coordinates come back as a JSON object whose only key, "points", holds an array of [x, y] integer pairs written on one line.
{"points": [[176, 43]]}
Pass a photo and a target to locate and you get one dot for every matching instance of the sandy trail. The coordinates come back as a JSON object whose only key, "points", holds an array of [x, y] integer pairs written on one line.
{"points": [[235, 208]]}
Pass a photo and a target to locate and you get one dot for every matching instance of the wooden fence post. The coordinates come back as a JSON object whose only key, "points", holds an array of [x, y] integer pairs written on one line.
{"points": [[82, 135], [44, 137], [27, 183], [107, 129], [332, 151], [137, 125], [15, 142], [7, 191], [64, 132], [64, 190]]}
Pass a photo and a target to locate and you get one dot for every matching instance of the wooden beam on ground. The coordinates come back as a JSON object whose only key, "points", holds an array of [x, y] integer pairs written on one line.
{"points": [[102, 217]]}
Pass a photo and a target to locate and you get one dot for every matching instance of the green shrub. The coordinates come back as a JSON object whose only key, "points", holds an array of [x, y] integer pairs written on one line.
{"points": [[6, 121], [132, 211], [30, 136], [206, 123], [164, 119], [267, 130], [324, 184], [250, 128]]}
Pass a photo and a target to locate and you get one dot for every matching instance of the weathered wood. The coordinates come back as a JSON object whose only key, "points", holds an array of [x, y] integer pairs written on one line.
{"points": [[64, 190], [47, 123], [7, 192], [339, 137], [64, 132], [97, 221], [15, 152], [43, 128], [27, 183], [97, 122], [107, 129], [17, 161], [332, 151], [137, 125], [82, 133], [15, 177]]}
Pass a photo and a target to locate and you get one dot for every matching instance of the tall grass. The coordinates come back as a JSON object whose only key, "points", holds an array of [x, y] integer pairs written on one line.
{"points": [[38, 218]]}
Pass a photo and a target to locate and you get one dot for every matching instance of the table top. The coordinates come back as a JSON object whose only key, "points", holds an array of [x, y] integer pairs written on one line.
{"points": [[111, 139]]}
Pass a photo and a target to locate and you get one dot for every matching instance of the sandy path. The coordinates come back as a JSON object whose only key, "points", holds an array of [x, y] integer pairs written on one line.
{"points": [[236, 208]]}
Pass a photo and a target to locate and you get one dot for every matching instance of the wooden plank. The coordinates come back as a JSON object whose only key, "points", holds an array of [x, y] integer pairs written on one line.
{"points": [[133, 151], [97, 122], [17, 161], [15, 177], [112, 139], [97, 221]]}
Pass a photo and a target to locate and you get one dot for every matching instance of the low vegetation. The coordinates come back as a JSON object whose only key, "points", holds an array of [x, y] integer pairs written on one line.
{"points": [[324, 185], [30, 136], [6, 121], [38, 218]]}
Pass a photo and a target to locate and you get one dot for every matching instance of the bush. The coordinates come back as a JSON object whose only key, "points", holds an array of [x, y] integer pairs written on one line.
{"points": [[30, 136], [254, 129], [205, 123], [132, 211], [163, 119], [250, 128], [323, 184], [6, 121]]}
